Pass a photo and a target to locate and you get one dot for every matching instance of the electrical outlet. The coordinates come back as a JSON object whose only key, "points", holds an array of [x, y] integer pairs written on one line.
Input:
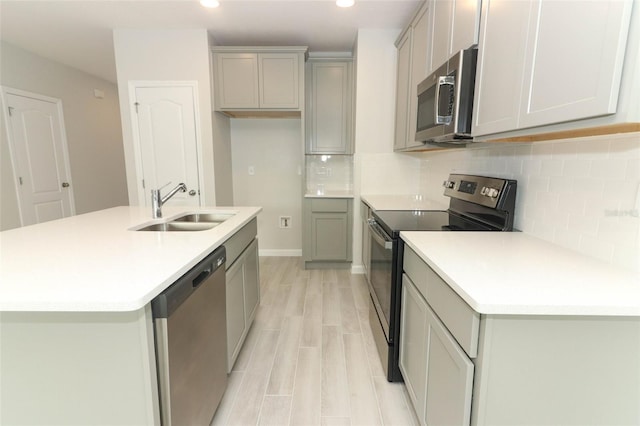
{"points": [[285, 221]]}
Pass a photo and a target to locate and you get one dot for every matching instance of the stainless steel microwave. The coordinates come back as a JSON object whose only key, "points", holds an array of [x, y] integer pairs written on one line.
{"points": [[445, 101]]}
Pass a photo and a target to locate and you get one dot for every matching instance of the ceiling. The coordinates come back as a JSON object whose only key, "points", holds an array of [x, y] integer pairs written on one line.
{"points": [[79, 33]]}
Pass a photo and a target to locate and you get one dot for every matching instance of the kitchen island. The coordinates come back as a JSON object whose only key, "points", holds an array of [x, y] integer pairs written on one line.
{"points": [[76, 331], [504, 328]]}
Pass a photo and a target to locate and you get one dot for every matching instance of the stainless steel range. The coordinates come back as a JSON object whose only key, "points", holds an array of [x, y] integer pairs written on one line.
{"points": [[477, 203]]}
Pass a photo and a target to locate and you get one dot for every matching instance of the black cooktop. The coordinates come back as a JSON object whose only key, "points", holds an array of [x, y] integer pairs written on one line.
{"points": [[394, 221]]}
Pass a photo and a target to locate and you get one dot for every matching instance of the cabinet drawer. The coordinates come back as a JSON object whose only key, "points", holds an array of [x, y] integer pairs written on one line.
{"points": [[239, 241], [329, 205], [462, 321]]}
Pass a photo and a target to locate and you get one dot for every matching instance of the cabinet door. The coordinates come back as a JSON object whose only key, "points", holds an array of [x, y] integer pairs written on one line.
{"points": [[441, 15], [449, 382], [465, 25], [279, 85], [403, 81], [419, 52], [414, 341], [329, 236], [251, 282], [235, 311], [237, 80], [330, 108], [574, 60], [501, 53]]}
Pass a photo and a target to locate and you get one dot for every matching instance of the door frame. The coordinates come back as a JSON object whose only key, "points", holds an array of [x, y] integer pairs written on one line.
{"points": [[137, 151], [4, 91]]}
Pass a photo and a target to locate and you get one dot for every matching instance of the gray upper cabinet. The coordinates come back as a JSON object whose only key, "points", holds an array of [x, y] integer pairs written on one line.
{"points": [[236, 80], [403, 82], [542, 62], [278, 80], [454, 25], [256, 78], [413, 53], [329, 107]]}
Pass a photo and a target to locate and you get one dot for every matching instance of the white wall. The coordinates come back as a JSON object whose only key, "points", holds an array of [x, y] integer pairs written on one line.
{"points": [[92, 125], [222, 159], [166, 55], [273, 147]]}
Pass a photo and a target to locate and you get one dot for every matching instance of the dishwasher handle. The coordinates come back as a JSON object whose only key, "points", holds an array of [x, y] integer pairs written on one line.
{"points": [[201, 277], [170, 299]]}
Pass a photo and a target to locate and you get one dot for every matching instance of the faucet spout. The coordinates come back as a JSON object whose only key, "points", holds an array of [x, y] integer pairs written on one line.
{"points": [[157, 201]]}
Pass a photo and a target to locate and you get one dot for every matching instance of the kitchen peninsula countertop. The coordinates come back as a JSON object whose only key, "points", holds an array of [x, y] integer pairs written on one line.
{"points": [[514, 273], [402, 202], [94, 262]]}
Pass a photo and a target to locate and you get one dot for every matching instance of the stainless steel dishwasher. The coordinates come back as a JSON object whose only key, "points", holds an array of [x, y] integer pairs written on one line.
{"points": [[191, 343]]}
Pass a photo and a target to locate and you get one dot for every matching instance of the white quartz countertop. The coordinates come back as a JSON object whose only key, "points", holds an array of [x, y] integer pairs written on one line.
{"points": [[514, 273], [329, 194], [94, 262], [402, 202]]}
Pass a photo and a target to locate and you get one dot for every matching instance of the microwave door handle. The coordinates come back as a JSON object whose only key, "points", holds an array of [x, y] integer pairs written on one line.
{"points": [[377, 235], [445, 80]]}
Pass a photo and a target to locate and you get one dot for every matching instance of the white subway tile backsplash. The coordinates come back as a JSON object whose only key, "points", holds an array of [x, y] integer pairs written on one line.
{"points": [[608, 168], [329, 173], [578, 193]]}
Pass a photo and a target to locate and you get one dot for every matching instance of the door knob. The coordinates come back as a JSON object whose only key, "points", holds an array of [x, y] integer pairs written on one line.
{"points": [[192, 192], [65, 184]]}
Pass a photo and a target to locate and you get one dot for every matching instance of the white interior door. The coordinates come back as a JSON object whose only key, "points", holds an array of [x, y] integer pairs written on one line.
{"points": [[167, 131], [39, 155]]}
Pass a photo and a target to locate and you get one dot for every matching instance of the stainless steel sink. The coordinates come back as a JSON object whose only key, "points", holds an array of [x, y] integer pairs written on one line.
{"points": [[179, 226], [204, 217], [190, 222]]}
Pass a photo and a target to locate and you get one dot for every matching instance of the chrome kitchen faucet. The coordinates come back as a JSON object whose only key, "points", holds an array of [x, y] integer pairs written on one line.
{"points": [[158, 201]]}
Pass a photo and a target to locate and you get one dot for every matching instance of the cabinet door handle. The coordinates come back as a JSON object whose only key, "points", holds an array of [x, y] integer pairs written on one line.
{"points": [[65, 184]]}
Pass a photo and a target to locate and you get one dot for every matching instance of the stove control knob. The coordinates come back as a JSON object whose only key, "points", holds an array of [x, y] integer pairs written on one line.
{"points": [[483, 191], [448, 184], [493, 193]]}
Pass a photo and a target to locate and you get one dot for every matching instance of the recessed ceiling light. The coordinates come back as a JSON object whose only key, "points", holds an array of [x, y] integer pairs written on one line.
{"points": [[345, 3], [210, 3]]}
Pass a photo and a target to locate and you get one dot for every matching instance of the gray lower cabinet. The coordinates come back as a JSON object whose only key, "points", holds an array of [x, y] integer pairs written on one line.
{"points": [[464, 368], [438, 374], [242, 289], [327, 232]]}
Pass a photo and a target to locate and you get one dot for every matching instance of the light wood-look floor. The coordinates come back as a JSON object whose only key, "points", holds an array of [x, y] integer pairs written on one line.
{"points": [[310, 358]]}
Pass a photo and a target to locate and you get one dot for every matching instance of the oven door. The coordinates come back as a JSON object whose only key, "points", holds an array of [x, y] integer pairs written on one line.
{"points": [[380, 274]]}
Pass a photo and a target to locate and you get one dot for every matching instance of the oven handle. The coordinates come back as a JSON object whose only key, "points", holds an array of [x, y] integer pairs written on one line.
{"points": [[379, 235]]}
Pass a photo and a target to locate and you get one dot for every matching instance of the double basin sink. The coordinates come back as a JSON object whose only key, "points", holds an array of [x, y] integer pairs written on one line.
{"points": [[190, 222]]}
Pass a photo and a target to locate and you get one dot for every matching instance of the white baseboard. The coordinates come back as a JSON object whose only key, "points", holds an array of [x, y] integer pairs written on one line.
{"points": [[280, 252], [357, 269]]}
